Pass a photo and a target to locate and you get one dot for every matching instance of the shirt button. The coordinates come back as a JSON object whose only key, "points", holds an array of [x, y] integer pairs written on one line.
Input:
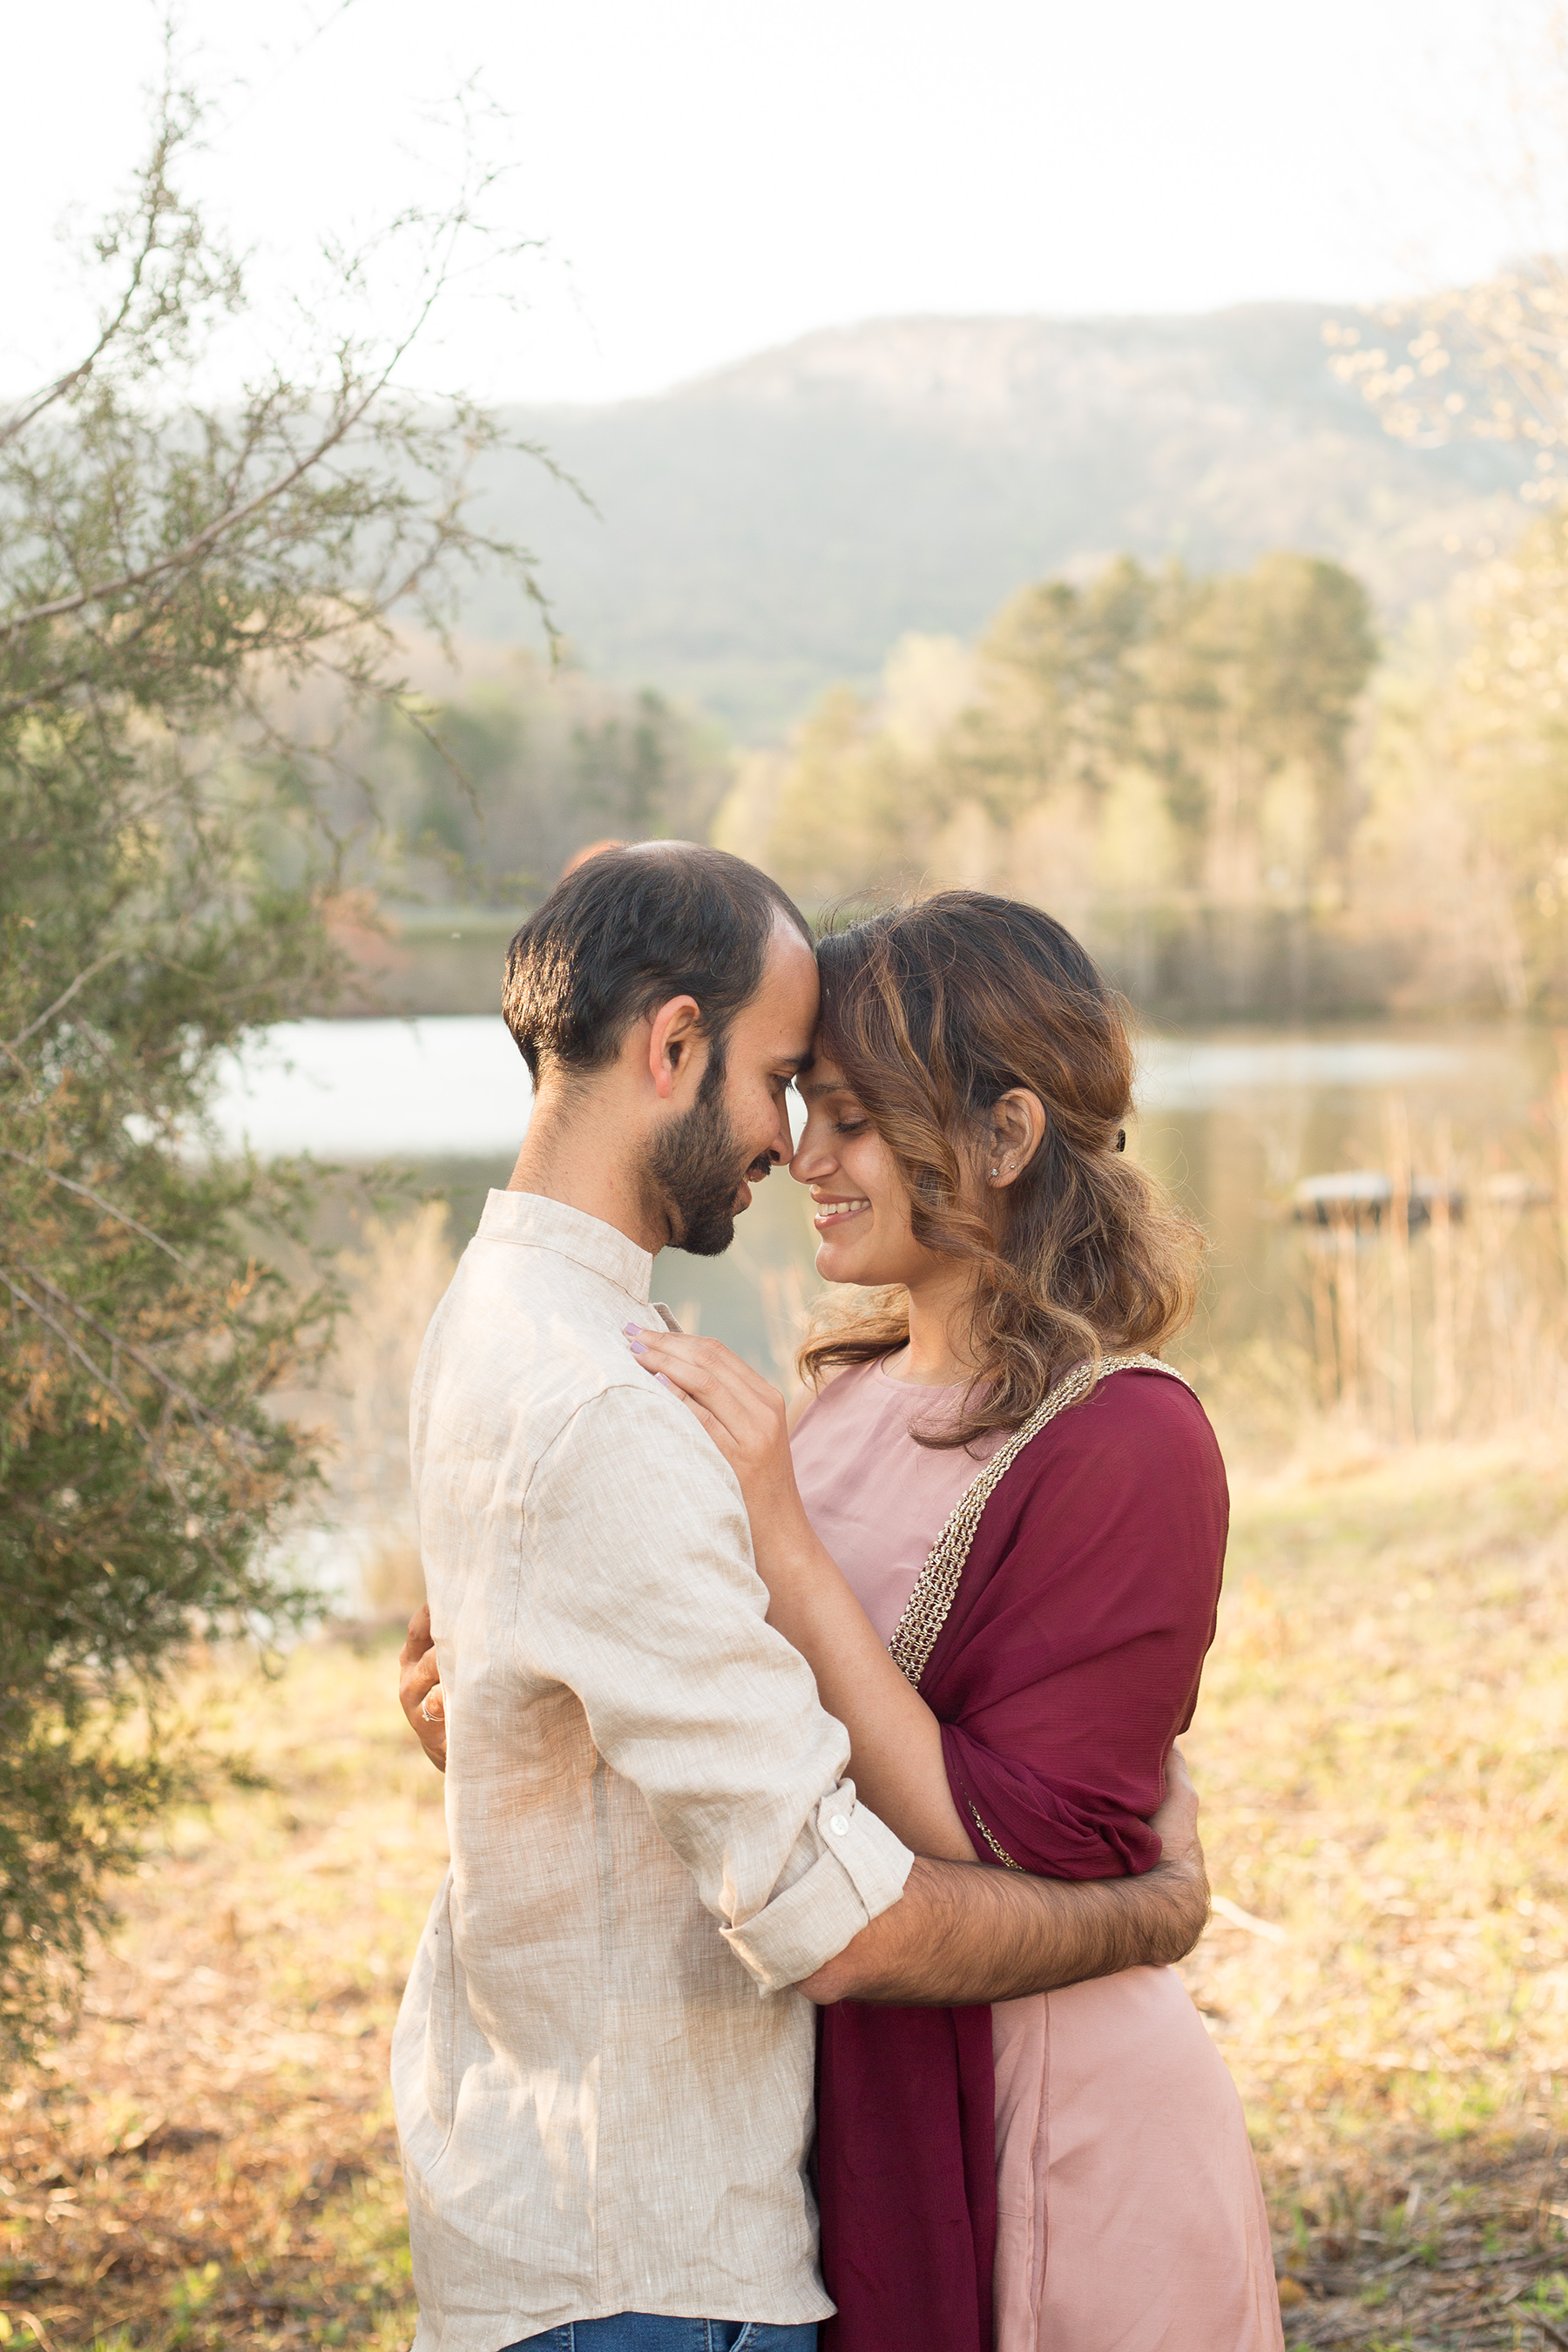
{"points": [[838, 1825]]}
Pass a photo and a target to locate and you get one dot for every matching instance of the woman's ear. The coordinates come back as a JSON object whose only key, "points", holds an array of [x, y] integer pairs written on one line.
{"points": [[1015, 1134]]}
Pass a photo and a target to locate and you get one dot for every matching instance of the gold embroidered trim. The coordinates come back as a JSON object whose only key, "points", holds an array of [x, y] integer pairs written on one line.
{"points": [[925, 1612], [1000, 1851]]}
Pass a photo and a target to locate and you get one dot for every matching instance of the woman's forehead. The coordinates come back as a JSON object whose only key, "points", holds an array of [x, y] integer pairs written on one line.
{"points": [[822, 1076]]}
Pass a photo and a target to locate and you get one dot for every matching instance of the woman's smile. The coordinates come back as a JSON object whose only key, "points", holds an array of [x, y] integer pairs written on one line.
{"points": [[831, 1214], [863, 1230]]}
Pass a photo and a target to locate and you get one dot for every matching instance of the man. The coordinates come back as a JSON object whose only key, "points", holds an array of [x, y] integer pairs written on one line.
{"points": [[603, 2062]]}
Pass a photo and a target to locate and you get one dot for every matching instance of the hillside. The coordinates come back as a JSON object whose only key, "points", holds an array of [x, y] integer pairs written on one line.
{"points": [[778, 525]]}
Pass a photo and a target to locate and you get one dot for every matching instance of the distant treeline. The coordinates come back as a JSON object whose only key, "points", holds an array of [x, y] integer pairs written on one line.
{"points": [[479, 791], [1132, 754], [1222, 782]]}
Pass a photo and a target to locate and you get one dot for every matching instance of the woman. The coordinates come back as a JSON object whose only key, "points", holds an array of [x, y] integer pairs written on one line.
{"points": [[997, 1537]]}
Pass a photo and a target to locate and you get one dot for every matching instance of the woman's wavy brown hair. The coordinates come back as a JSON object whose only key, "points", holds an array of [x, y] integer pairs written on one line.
{"points": [[935, 1011]]}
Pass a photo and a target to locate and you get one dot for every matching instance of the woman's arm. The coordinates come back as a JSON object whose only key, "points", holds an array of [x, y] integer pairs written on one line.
{"points": [[895, 1740]]}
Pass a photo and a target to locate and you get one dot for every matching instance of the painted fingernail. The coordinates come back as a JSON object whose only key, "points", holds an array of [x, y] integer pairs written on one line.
{"points": [[637, 1348], [633, 1330], [664, 1384]]}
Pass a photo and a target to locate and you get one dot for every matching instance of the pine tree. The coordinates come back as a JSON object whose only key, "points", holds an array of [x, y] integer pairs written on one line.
{"points": [[175, 571]]}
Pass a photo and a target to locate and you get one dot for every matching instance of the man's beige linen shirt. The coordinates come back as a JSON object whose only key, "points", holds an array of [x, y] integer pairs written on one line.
{"points": [[603, 2075]]}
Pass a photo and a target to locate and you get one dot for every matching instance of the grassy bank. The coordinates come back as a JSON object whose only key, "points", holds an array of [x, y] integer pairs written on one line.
{"points": [[1381, 1751], [209, 2161]]}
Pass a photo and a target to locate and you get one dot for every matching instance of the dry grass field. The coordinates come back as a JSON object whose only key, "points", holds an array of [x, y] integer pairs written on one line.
{"points": [[1382, 1750], [209, 2161]]}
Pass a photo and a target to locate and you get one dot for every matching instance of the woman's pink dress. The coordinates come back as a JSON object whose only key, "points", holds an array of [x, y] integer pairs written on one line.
{"points": [[1131, 2218]]}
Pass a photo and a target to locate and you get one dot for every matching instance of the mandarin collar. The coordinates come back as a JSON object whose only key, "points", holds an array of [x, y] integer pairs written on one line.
{"points": [[532, 1221]]}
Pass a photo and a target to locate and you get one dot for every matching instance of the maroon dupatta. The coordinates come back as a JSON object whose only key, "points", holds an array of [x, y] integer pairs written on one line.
{"points": [[1061, 1656]]}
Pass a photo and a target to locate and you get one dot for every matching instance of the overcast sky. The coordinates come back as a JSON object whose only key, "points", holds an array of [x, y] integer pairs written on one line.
{"points": [[710, 177]]}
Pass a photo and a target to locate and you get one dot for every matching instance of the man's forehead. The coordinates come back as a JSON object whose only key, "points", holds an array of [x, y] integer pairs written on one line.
{"points": [[789, 950], [789, 993]]}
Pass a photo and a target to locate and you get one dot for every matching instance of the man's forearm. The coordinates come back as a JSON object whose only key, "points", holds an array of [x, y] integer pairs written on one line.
{"points": [[963, 1932]]}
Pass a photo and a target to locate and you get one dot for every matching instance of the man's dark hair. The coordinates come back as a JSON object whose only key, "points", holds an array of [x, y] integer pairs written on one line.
{"points": [[625, 932]]}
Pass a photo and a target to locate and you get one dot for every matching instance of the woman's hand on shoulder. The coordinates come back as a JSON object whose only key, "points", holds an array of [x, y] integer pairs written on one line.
{"points": [[744, 1414]]}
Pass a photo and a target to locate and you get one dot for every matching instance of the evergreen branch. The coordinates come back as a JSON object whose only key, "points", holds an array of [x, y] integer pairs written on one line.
{"points": [[121, 1216], [203, 541], [211, 1424], [95, 1373], [14, 426], [10, 1045]]}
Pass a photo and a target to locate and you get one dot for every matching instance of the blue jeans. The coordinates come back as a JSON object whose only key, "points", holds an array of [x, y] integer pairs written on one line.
{"points": [[642, 2331]]}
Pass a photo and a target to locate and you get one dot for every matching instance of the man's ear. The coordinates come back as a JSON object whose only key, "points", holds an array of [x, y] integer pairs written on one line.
{"points": [[672, 1039]]}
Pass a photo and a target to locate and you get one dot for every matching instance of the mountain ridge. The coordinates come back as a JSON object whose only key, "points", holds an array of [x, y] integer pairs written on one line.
{"points": [[779, 522]]}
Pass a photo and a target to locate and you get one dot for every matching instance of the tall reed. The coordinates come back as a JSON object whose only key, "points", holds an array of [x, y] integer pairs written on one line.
{"points": [[1438, 1313]]}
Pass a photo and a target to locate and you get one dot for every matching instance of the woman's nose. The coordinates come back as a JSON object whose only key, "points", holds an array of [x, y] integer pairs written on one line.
{"points": [[811, 1159]]}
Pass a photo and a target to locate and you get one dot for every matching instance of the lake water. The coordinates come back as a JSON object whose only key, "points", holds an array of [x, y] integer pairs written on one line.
{"points": [[1232, 1118]]}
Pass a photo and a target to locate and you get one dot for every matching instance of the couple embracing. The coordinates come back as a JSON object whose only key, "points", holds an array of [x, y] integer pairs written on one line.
{"points": [[816, 1839]]}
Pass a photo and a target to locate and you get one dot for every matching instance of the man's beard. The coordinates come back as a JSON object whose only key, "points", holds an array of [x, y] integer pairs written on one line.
{"points": [[694, 1170]]}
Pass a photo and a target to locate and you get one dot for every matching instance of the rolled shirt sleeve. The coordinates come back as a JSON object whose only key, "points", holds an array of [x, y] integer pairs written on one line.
{"points": [[792, 1936], [690, 1694]]}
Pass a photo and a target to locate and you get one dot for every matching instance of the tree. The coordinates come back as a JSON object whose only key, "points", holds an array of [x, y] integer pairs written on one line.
{"points": [[1467, 831], [546, 760], [176, 571], [1489, 362], [1142, 735], [1470, 766]]}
